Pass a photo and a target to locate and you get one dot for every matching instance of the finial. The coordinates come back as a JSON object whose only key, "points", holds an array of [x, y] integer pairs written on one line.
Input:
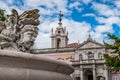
{"points": [[60, 18], [89, 33], [52, 30], [89, 36]]}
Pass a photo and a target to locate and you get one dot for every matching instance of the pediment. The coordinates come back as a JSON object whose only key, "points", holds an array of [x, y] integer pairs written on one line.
{"points": [[90, 44]]}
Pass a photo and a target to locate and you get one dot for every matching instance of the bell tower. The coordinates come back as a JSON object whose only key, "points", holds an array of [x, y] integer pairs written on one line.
{"points": [[59, 38]]}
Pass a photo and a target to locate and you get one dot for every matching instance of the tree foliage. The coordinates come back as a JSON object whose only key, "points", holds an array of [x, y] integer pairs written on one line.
{"points": [[113, 61], [2, 15]]}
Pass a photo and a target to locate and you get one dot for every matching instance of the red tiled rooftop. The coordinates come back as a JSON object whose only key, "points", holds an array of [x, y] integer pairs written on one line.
{"points": [[73, 44]]}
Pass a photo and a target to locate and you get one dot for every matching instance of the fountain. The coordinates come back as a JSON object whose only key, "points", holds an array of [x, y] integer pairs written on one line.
{"points": [[17, 35]]}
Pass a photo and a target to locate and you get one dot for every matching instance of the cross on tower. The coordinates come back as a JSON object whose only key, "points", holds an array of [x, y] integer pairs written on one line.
{"points": [[60, 18], [89, 31]]}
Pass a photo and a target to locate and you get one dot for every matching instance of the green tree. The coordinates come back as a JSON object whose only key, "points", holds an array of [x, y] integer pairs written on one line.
{"points": [[113, 61], [2, 15]]}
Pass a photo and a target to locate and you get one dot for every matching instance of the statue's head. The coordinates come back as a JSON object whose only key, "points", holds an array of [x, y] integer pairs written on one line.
{"points": [[28, 30], [27, 36]]}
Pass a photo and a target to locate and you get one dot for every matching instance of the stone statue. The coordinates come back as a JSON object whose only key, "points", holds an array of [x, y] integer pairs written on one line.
{"points": [[19, 31]]}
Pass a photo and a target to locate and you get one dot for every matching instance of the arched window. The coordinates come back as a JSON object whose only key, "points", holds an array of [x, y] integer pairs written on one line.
{"points": [[80, 57], [99, 55], [90, 55], [58, 43]]}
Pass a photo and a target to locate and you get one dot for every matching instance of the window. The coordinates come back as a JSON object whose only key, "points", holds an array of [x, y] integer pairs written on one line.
{"points": [[99, 55], [58, 43], [58, 32], [115, 78], [90, 55], [80, 56]]}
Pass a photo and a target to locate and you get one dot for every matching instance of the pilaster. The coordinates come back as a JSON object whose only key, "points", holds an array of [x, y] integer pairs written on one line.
{"points": [[94, 73], [81, 73], [106, 72]]}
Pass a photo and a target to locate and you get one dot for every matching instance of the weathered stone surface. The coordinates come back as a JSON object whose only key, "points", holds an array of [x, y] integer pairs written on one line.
{"points": [[2, 25], [18, 32], [23, 66]]}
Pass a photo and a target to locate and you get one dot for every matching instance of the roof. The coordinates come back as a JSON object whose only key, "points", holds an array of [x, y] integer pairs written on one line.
{"points": [[92, 41], [73, 44]]}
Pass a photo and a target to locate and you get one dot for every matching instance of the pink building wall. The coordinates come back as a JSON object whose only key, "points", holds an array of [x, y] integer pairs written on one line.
{"points": [[116, 76]]}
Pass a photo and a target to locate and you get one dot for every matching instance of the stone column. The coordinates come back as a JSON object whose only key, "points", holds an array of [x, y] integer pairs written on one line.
{"points": [[81, 73], [94, 73]]}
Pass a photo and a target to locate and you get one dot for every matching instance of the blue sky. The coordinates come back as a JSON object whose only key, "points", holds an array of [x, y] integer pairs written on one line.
{"points": [[80, 16]]}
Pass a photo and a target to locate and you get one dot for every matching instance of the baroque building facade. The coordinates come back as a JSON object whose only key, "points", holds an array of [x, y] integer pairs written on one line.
{"points": [[86, 58]]}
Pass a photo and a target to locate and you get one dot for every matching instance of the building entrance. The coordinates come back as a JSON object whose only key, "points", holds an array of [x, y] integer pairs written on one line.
{"points": [[88, 75]]}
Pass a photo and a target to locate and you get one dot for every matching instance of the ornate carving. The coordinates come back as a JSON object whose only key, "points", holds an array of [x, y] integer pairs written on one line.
{"points": [[18, 32]]}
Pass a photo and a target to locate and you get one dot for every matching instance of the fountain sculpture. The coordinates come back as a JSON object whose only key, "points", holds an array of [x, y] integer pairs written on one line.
{"points": [[17, 35]]}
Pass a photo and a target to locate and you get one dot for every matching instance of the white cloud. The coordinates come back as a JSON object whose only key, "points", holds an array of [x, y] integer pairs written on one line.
{"points": [[103, 28], [106, 27], [111, 17], [86, 1], [8, 8], [47, 24], [35, 3], [9, 1], [107, 10], [99, 37], [89, 14], [103, 9], [48, 7], [61, 5], [77, 30], [5, 6], [109, 21], [117, 3], [42, 41], [76, 5]]}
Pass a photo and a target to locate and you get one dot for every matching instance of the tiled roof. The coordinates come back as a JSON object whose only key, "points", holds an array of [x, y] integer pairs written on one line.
{"points": [[73, 44]]}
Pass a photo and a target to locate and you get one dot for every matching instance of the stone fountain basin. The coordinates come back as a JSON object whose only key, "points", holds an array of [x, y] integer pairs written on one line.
{"points": [[25, 66]]}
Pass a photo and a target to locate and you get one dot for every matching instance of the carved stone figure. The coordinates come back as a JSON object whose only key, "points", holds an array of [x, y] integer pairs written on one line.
{"points": [[10, 30], [19, 31], [27, 37]]}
